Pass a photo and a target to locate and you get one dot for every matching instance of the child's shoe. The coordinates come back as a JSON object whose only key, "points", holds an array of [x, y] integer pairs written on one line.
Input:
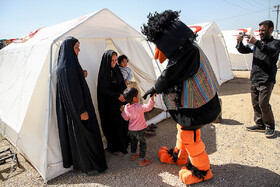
{"points": [[144, 162], [134, 156], [153, 126], [150, 133]]}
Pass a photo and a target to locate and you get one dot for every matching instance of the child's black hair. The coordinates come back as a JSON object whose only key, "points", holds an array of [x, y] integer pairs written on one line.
{"points": [[129, 93], [121, 58]]}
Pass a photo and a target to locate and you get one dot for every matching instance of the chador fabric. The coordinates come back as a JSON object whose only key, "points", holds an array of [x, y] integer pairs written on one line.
{"points": [[179, 68], [110, 86], [80, 140]]}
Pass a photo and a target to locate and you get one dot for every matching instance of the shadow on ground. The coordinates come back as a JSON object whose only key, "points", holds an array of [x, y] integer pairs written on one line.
{"points": [[9, 170], [241, 175], [230, 122], [243, 85]]}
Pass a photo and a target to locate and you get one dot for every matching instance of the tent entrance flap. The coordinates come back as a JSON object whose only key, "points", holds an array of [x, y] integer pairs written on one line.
{"points": [[110, 45]]}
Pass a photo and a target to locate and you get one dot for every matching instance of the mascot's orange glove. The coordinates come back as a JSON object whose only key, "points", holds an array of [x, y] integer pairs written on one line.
{"points": [[159, 55]]}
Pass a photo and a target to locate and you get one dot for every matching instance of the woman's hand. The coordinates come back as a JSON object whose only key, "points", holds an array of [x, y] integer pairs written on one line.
{"points": [[121, 98], [84, 116]]}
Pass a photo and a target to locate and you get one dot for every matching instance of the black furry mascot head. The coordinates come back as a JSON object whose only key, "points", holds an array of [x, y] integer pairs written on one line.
{"points": [[167, 32]]}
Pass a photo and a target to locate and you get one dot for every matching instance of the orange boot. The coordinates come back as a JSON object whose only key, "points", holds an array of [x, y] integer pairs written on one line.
{"points": [[171, 156], [177, 156], [199, 167], [187, 177]]}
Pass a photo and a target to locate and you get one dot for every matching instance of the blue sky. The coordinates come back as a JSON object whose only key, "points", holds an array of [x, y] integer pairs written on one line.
{"points": [[19, 17]]}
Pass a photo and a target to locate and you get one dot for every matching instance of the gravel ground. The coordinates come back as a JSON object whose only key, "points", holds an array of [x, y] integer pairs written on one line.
{"points": [[237, 157]]}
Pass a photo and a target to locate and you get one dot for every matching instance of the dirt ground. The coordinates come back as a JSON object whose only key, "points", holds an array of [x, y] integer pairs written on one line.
{"points": [[237, 157]]}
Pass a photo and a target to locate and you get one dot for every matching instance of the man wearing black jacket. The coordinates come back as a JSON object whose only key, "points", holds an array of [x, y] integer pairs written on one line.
{"points": [[263, 73]]}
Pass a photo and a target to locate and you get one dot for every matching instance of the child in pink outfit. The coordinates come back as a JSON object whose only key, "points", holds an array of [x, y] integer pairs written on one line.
{"points": [[134, 113]]}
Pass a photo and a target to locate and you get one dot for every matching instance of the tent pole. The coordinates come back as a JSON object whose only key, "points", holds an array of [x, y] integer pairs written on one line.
{"points": [[5, 127], [217, 60], [48, 117], [153, 55]]}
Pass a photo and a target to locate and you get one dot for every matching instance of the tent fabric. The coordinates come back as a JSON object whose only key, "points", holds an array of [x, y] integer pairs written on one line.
{"points": [[28, 81], [238, 61], [211, 41], [18, 80]]}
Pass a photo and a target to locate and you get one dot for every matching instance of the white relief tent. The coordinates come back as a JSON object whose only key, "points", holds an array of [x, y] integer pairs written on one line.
{"points": [[211, 41], [28, 82]]}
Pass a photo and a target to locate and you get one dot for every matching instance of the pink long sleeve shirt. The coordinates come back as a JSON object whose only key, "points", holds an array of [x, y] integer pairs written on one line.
{"points": [[135, 115]]}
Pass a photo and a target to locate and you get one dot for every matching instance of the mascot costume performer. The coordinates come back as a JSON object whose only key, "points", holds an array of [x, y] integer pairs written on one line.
{"points": [[189, 89]]}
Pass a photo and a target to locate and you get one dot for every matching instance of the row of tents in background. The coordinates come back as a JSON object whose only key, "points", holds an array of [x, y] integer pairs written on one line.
{"points": [[204, 30], [28, 79], [219, 46], [241, 61], [6, 42]]}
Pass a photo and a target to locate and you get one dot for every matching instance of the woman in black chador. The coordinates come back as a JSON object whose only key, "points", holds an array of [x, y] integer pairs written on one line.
{"points": [[80, 138], [109, 93]]}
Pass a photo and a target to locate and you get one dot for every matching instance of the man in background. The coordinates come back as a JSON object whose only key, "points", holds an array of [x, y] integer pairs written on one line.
{"points": [[263, 73]]}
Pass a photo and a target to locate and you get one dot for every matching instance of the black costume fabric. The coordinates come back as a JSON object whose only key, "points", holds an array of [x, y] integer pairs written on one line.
{"points": [[81, 143], [175, 40], [176, 35], [193, 119], [180, 68], [172, 76], [110, 85]]}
